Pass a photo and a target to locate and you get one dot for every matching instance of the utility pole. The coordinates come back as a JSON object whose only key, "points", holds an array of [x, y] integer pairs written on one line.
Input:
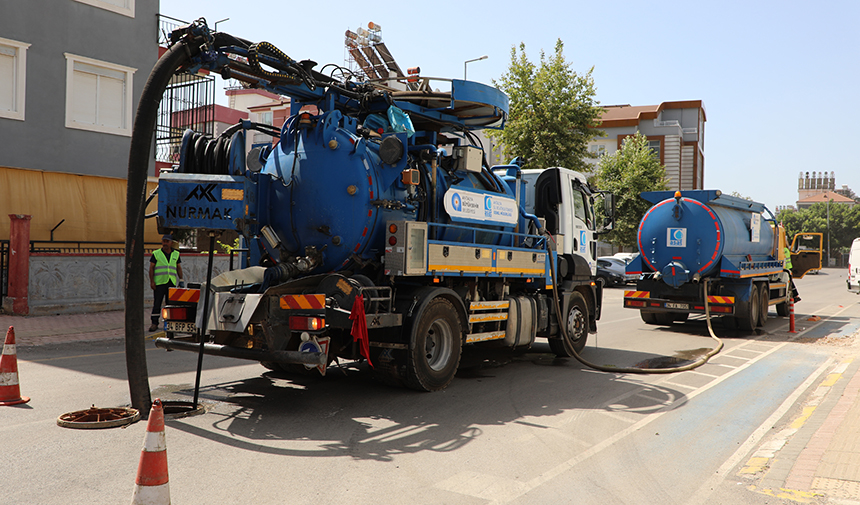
{"points": [[828, 229]]}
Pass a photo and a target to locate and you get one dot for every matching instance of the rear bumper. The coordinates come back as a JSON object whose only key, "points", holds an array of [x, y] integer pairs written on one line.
{"points": [[286, 357], [716, 305]]}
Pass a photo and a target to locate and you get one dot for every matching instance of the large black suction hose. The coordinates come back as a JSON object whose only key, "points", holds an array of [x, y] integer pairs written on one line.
{"points": [[696, 364], [138, 165]]}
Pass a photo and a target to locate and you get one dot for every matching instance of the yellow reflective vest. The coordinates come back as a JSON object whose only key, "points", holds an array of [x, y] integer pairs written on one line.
{"points": [[165, 270]]}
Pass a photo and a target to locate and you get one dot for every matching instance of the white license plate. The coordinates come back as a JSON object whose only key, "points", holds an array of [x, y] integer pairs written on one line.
{"points": [[180, 327], [683, 306]]}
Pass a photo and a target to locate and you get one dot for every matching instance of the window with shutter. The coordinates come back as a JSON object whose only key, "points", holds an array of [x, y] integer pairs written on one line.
{"points": [[13, 74], [98, 95]]}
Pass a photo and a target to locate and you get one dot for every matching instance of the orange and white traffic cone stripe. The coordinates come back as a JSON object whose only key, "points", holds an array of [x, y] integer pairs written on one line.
{"points": [[791, 315], [10, 392], [151, 486]]}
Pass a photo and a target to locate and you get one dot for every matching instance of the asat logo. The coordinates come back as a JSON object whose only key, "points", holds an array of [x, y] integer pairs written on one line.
{"points": [[456, 202], [488, 206], [676, 237], [201, 192]]}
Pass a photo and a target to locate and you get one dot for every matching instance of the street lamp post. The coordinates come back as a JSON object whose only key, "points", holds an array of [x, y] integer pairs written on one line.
{"points": [[484, 57]]}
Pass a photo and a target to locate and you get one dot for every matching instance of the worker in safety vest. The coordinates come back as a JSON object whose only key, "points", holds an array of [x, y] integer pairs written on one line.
{"points": [[787, 253], [165, 272]]}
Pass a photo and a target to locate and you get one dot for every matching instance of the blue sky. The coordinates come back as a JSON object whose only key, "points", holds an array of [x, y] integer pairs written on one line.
{"points": [[779, 80]]}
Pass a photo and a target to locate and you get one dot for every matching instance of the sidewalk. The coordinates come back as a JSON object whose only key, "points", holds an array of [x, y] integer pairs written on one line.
{"points": [[65, 328], [816, 456]]}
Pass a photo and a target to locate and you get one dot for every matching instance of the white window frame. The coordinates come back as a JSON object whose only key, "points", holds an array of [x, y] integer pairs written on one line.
{"points": [[598, 149], [20, 79], [128, 110], [109, 6]]}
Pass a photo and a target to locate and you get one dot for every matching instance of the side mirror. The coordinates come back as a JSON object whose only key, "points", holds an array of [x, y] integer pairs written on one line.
{"points": [[608, 212], [609, 205]]}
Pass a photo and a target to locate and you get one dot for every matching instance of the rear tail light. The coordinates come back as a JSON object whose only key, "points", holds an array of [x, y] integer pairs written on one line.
{"points": [[632, 303], [174, 313], [725, 310], [302, 323]]}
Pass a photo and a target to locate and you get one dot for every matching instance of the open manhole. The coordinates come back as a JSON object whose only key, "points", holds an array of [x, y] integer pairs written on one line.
{"points": [[95, 418], [179, 408]]}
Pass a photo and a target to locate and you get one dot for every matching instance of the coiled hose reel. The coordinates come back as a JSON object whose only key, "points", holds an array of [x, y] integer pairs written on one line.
{"points": [[200, 153]]}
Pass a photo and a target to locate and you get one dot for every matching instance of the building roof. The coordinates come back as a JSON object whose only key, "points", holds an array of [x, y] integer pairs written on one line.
{"points": [[627, 115], [220, 114], [269, 105], [251, 91], [824, 197], [228, 115]]}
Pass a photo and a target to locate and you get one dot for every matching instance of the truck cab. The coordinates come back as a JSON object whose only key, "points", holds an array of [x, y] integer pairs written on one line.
{"points": [[564, 201]]}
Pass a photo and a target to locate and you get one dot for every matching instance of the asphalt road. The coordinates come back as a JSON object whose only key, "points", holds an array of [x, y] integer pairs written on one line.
{"points": [[525, 428]]}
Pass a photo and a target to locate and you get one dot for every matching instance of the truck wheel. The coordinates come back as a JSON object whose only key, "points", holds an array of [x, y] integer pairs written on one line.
{"points": [[748, 312], [664, 318], [648, 317], [764, 304], [577, 329], [680, 317], [435, 346], [782, 309]]}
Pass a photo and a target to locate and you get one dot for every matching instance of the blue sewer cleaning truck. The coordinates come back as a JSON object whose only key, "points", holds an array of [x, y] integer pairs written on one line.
{"points": [[373, 228], [703, 246]]}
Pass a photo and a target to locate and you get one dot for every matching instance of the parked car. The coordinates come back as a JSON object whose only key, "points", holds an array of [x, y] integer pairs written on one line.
{"points": [[625, 257], [608, 277], [616, 266]]}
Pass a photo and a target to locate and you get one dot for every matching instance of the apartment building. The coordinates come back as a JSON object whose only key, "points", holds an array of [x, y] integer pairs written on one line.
{"points": [[71, 75], [675, 132]]}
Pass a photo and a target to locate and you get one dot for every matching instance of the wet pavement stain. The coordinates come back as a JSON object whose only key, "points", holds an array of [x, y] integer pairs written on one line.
{"points": [[680, 358]]}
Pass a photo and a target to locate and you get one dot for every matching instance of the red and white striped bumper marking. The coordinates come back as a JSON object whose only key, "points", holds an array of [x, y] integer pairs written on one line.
{"points": [[306, 302]]}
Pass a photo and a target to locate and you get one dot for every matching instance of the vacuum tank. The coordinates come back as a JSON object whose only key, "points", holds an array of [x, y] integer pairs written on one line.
{"points": [[687, 235], [333, 189]]}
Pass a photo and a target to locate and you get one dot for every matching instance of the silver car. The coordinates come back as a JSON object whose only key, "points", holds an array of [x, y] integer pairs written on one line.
{"points": [[616, 266]]}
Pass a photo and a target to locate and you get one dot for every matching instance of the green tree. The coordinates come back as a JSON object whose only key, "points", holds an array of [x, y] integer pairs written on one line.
{"points": [[844, 224], [553, 111], [626, 173]]}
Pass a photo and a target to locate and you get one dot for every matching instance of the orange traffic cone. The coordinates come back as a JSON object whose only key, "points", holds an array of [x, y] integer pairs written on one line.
{"points": [[151, 486], [10, 393]]}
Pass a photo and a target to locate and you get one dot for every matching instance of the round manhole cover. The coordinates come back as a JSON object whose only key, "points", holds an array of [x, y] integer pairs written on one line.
{"points": [[95, 418]]}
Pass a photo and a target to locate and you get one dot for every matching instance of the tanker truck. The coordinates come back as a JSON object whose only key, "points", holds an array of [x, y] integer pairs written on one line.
{"points": [[373, 229], [698, 247]]}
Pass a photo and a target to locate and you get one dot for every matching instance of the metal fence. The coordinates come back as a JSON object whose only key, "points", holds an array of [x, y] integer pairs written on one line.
{"points": [[66, 247], [167, 24], [45, 246], [188, 102]]}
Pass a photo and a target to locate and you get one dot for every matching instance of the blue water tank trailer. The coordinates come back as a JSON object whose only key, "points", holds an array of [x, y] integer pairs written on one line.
{"points": [[689, 237]]}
